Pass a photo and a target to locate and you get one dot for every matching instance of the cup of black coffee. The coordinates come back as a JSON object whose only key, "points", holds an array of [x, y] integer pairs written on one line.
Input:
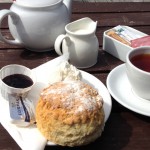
{"points": [[138, 71]]}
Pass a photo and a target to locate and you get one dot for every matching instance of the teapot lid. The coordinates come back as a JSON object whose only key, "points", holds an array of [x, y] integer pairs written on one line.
{"points": [[36, 3]]}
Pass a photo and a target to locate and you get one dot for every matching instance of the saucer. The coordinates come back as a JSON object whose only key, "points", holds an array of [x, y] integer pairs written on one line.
{"points": [[119, 87]]}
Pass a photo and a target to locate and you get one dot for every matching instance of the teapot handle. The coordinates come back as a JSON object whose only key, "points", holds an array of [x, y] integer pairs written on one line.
{"points": [[15, 18], [59, 41]]}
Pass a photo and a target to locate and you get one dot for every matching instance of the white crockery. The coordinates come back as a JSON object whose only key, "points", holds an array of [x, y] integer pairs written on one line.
{"points": [[139, 79], [13, 94], [80, 41], [11, 70], [24, 136], [117, 48], [36, 25], [36, 2], [120, 88]]}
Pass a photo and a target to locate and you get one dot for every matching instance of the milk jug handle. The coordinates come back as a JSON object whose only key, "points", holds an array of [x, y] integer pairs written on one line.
{"points": [[59, 41], [15, 17]]}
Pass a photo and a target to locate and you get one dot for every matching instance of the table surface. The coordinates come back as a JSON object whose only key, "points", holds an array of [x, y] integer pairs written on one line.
{"points": [[124, 130]]}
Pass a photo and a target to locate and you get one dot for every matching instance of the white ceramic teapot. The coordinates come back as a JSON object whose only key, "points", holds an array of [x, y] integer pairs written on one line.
{"points": [[36, 24]]}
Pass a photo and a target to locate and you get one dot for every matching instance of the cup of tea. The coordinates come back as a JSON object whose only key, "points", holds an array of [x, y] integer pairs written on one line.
{"points": [[138, 71], [15, 83]]}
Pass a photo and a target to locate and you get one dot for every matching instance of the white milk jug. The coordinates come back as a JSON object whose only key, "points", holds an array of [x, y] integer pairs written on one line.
{"points": [[80, 41]]}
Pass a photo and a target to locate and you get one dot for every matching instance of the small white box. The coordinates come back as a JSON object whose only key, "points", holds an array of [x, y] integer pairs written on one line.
{"points": [[117, 48]]}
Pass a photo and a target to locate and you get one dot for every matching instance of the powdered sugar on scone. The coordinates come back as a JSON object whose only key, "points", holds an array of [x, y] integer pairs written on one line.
{"points": [[75, 96]]}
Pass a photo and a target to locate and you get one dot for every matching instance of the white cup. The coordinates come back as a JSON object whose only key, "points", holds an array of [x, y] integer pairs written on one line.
{"points": [[139, 78]]}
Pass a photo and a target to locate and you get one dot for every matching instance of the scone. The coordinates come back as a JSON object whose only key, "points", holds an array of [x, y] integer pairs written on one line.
{"points": [[70, 113]]}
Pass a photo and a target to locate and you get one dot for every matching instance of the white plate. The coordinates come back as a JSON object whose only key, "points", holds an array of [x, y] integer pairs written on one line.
{"points": [[43, 78], [120, 89], [44, 73]]}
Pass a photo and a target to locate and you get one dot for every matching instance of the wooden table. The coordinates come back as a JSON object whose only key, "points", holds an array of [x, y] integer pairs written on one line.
{"points": [[124, 130]]}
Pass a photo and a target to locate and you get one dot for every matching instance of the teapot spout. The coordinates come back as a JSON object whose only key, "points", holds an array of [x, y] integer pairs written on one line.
{"points": [[95, 25], [68, 4]]}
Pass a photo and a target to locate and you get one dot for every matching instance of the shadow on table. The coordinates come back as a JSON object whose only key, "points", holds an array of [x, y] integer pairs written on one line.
{"points": [[31, 55], [116, 135], [146, 119]]}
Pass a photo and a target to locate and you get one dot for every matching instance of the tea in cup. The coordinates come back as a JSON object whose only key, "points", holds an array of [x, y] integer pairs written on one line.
{"points": [[138, 71]]}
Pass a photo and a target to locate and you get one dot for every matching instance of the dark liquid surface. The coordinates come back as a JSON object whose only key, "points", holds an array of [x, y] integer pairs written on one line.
{"points": [[142, 62], [18, 81]]}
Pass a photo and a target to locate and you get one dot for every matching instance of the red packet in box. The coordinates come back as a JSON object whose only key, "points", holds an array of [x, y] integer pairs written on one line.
{"points": [[143, 41]]}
